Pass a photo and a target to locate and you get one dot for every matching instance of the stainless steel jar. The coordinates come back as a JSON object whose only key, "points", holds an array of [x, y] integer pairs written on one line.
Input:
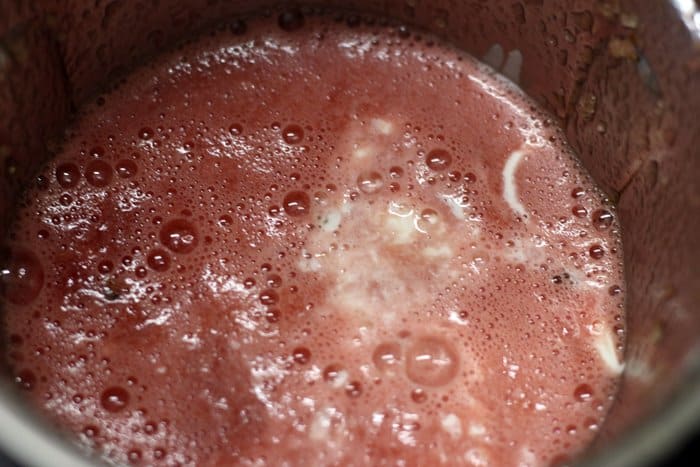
{"points": [[623, 76]]}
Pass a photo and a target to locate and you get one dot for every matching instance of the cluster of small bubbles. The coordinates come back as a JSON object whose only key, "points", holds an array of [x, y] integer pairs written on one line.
{"points": [[190, 213]]}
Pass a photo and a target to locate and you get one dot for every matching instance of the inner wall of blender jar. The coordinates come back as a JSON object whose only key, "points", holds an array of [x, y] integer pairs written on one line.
{"points": [[603, 68]]}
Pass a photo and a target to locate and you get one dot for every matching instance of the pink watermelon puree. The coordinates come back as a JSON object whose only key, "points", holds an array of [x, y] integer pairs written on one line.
{"points": [[316, 244]]}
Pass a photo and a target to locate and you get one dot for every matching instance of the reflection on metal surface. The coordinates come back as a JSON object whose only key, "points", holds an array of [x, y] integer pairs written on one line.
{"points": [[690, 14]]}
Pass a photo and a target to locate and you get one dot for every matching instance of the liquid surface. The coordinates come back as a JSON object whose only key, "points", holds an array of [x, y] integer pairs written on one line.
{"points": [[306, 242]]}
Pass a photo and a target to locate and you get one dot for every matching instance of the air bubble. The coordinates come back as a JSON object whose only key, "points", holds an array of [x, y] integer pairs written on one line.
{"points": [[114, 399], [395, 172], [225, 220], [579, 211], [42, 182], [272, 315], [158, 260], [65, 199], [238, 26], [429, 216], [602, 219], [126, 168], [332, 372], [97, 152], [583, 393], [596, 251], [67, 175], [438, 159], [301, 355], [104, 267], [370, 182], [22, 278], [134, 455], [98, 173], [146, 133], [274, 281], [150, 428], [291, 20], [431, 361], [269, 297], [26, 379], [91, 431], [387, 355], [418, 396], [293, 134], [353, 389], [179, 236], [296, 203]]}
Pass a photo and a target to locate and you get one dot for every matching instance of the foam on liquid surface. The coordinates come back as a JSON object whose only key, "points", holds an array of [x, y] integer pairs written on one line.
{"points": [[319, 245]]}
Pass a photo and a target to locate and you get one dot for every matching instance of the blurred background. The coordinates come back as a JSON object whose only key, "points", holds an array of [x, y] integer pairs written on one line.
{"points": [[688, 455]]}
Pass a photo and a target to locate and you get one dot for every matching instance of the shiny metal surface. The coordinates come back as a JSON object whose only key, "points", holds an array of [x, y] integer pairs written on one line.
{"points": [[623, 77]]}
